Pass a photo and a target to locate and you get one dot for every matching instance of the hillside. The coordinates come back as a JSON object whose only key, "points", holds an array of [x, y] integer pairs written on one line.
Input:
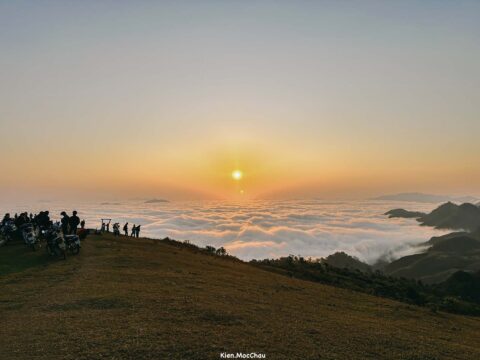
{"points": [[145, 299], [447, 254], [446, 216], [455, 217], [402, 213], [342, 260]]}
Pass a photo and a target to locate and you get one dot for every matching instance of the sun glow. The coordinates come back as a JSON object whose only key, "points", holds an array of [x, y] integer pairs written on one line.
{"points": [[237, 175]]}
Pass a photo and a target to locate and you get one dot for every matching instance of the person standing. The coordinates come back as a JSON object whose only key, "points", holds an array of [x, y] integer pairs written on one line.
{"points": [[19, 220], [137, 231], [6, 219], [125, 229], [65, 221], [134, 230], [116, 229], [43, 219], [82, 224], [74, 222]]}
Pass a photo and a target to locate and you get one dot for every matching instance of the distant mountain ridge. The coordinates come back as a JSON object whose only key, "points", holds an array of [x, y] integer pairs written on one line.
{"points": [[447, 255], [425, 198], [156, 201], [453, 216], [446, 216], [402, 213], [344, 261]]}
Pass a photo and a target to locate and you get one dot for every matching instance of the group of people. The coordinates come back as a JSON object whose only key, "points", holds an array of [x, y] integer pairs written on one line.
{"points": [[70, 223], [135, 230], [42, 220], [116, 229]]}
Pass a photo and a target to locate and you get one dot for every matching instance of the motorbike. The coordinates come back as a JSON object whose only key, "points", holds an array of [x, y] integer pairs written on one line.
{"points": [[6, 232], [72, 243], [29, 236], [55, 243]]}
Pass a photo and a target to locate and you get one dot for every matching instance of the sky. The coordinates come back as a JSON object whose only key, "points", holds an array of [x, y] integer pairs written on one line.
{"points": [[343, 99]]}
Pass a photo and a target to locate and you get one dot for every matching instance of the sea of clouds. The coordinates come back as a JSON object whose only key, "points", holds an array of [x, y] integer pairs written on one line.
{"points": [[266, 229]]}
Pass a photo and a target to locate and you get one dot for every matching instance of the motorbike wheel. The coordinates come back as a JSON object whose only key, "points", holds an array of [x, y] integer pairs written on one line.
{"points": [[75, 249], [4, 240]]}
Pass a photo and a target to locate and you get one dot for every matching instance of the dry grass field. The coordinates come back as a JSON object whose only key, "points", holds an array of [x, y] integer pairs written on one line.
{"points": [[145, 299]]}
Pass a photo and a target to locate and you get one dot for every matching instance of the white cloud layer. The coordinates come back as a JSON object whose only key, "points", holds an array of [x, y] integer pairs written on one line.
{"points": [[269, 229]]}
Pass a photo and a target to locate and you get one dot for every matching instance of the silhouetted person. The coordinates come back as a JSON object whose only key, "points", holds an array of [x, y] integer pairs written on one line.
{"points": [[108, 226], [20, 220], [116, 229], [134, 230], [6, 219], [43, 219], [125, 229], [137, 231], [74, 222], [65, 221], [82, 224]]}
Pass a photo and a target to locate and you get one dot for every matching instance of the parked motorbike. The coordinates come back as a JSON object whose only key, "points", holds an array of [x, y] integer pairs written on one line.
{"points": [[6, 232], [72, 243], [55, 243], [29, 236]]}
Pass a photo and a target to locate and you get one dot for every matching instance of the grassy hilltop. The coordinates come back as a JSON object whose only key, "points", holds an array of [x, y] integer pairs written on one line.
{"points": [[124, 298]]}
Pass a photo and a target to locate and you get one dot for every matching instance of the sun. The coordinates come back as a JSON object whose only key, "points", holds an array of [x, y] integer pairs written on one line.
{"points": [[237, 175]]}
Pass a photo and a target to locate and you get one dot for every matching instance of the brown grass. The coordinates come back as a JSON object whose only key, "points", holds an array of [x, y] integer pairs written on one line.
{"points": [[143, 299]]}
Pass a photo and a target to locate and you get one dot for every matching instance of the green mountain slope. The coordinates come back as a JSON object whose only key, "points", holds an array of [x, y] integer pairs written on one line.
{"points": [[402, 213], [452, 216], [144, 299], [447, 255], [446, 216], [342, 260]]}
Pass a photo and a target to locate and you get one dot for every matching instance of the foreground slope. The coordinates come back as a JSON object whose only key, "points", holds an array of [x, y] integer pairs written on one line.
{"points": [[146, 299]]}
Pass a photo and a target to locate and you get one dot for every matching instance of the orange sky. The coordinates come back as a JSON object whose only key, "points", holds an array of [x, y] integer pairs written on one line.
{"points": [[307, 99]]}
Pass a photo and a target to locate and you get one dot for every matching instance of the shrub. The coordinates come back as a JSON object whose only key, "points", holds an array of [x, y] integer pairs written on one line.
{"points": [[221, 251], [210, 249]]}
